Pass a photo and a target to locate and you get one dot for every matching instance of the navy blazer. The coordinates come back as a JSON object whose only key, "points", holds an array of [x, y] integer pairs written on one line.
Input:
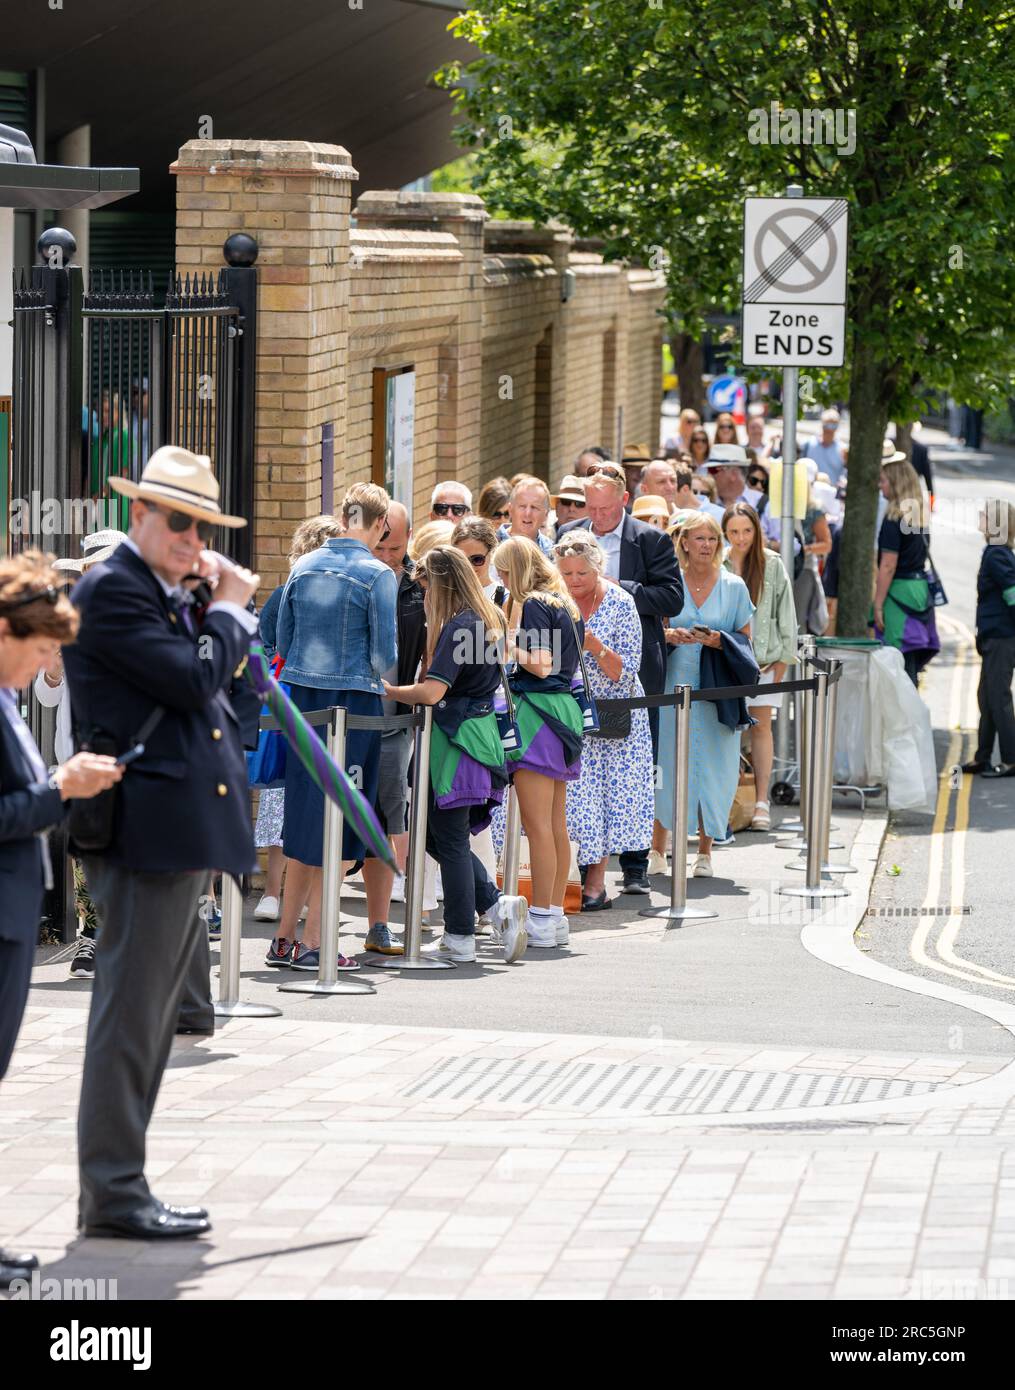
{"points": [[731, 664], [26, 807], [650, 574], [185, 804]]}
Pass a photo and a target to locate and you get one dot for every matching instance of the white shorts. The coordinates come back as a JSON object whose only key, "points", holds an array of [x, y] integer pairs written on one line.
{"points": [[765, 701]]}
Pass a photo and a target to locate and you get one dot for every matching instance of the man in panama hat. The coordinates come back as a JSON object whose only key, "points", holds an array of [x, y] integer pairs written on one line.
{"points": [[142, 684]]}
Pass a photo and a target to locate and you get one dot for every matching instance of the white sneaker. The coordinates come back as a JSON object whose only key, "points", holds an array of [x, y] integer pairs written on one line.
{"points": [[563, 927], [542, 932], [460, 949], [266, 910], [398, 889], [508, 920], [484, 927], [657, 863], [702, 867]]}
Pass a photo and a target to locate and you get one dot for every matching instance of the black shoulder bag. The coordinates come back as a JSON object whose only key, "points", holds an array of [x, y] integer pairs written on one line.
{"points": [[90, 823]]}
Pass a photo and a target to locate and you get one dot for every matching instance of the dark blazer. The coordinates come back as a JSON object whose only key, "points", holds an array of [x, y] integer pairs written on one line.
{"points": [[650, 574], [26, 807], [411, 625], [185, 804], [731, 664]]}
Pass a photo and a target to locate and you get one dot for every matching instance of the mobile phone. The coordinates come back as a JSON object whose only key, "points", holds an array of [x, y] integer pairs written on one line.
{"points": [[700, 627], [131, 755]]}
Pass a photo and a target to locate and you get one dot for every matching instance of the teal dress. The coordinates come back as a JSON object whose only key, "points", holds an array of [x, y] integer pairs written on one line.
{"points": [[714, 758]]}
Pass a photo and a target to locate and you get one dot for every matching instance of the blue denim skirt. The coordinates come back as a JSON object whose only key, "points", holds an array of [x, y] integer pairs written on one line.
{"points": [[303, 823]]}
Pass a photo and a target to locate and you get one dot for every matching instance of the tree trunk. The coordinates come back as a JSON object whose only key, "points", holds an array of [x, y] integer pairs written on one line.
{"points": [[689, 365], [868, 419], [904, 437]]}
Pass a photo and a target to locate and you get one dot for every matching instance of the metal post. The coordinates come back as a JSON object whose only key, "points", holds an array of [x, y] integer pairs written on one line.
{"points": [[678, 911], [327, 981], [413, 958], [803, 701], [229, 1003], [790, 383], [826, 752], [512, 845], [818, 883]]}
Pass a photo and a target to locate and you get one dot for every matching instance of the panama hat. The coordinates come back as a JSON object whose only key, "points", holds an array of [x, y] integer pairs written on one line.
{"points": [[889, 453], [727, 455], [636, 453], [571, 490], [649, 504], [94, 548], [181, 480]]}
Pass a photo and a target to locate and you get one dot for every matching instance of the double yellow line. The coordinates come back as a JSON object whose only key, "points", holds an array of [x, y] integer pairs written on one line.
{"points": [[963, 715]]}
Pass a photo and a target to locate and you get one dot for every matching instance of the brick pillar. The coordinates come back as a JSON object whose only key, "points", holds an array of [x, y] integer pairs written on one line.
{"points": [[294, 198], [461, 355]]}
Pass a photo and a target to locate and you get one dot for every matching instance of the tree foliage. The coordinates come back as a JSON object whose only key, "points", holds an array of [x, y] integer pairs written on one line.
{"points": [[632, 122]]}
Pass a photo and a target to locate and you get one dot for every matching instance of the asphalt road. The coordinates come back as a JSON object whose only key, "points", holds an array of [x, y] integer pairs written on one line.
{"points": [[963, 889]]}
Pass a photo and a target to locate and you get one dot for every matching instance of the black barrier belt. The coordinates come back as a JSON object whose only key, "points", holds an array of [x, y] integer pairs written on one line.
{"points": [[382, 722], [724, 692], [387, 722]]}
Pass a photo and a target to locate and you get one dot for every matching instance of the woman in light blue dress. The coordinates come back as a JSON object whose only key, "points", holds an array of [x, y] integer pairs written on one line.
{"points": [[719, 601]]}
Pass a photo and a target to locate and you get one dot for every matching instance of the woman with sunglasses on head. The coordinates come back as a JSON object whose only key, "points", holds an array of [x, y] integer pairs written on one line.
{"points": [[773, 635], [35, 618], [545, 633], [336, 632], [465, 639], [493, 501], [475, 537]]}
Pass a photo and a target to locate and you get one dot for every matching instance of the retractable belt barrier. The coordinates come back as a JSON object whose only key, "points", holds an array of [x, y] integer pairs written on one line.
{"points": [[816, 756]]}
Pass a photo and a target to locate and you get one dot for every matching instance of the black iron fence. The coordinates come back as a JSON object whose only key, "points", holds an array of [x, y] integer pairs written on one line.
{"points": [[104, 375]]}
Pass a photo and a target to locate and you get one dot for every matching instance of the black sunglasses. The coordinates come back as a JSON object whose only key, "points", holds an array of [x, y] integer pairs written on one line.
{"points": [[47, 595], [501, 516], [455, 508], [478, 560], [759, 480], [570, 502], [179, 522]]}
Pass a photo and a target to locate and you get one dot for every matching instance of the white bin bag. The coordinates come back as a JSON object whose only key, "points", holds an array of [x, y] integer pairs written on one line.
{"points": [[852, 720], [901, 750]]}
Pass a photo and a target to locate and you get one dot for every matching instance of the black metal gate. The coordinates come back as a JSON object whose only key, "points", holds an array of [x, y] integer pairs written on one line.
{"points": [[103, 377]]}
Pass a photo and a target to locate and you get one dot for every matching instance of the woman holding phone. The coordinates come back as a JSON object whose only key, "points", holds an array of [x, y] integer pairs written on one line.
{"points": [[715, 601]]}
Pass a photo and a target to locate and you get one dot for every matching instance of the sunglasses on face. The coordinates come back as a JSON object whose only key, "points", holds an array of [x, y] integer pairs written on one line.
{"points": [[567, 502], [455, 508], [180, 522], [759, 480], [501, 515], [478, 560]]}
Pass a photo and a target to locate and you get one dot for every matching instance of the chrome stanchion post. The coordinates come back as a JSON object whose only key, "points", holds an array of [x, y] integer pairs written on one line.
{"points": [[803, 700], [413, 958], [800, 841], [818, 882], [229, 1003], [678, 911], [327, 981]]}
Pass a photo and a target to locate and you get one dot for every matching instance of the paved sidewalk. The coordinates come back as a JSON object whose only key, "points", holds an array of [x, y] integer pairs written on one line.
{"points": [[356, 1161]]}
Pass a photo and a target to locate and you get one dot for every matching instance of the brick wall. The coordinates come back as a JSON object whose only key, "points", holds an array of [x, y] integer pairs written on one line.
{"points": [[523, 346]]}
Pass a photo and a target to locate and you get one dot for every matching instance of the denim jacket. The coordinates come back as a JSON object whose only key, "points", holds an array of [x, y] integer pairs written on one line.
{"points": [[336, 620]]}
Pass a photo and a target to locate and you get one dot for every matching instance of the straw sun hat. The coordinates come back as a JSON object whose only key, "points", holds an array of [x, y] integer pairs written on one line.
{"points": [[181, 481]]}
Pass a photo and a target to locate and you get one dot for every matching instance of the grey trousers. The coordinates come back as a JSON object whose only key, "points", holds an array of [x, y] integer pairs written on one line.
{"points": [[149, 932], [196, 1007]]}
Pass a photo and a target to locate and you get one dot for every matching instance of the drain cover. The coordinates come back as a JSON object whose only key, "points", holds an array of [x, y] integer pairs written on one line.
{"points": [[640, 1089]]}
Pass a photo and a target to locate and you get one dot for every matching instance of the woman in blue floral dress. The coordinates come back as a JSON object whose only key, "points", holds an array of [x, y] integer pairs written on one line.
{"points": [[610, 807]]}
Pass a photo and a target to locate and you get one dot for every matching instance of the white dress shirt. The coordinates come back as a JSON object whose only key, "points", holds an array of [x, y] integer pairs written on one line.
{"points": [[610, 544]]}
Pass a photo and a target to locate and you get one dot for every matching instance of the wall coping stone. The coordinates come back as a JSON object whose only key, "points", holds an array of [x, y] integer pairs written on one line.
{"points": [[399, 205], [291, 158]]}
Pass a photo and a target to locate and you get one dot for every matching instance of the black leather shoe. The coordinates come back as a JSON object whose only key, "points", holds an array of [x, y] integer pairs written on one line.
{"points": [[16, 1267], [1002, 770], [201, 1032], [156, 1222], [975, 766], [637, 882], [599, 902]]}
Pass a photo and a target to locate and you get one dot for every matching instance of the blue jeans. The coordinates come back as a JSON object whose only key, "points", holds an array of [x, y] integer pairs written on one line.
{"points": [[467, 886]]}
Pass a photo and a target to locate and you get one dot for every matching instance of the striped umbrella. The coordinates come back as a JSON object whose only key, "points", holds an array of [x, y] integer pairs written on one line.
{"points": [[312, 753]]}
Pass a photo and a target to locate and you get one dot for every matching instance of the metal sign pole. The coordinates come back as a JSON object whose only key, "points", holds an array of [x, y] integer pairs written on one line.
{"points": [[678, 911], [229, 1003], [327, 981], [413, 958]]}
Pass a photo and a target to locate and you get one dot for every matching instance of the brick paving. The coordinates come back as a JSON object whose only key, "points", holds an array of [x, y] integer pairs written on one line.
{"points": [[326, 1178]]}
